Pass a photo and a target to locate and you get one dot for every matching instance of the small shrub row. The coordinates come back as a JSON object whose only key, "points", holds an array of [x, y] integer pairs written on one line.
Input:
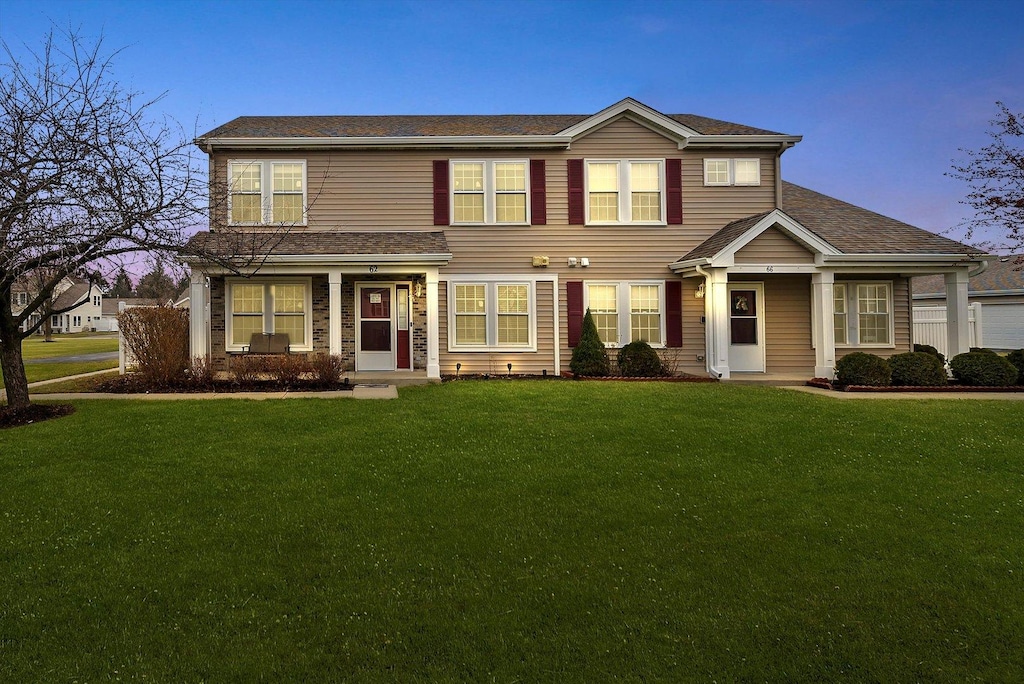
{"points": [[288, 370], [590, 358], [924, 368]]}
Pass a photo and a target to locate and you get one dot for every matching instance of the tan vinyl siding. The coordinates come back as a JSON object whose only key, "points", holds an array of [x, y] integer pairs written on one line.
{"points": [[693, 331], [497, 362], [393, 190], [787, 324], [773, 247]]}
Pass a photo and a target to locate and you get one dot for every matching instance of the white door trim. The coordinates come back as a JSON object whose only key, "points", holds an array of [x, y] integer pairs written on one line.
{"points": [[375, 361]]}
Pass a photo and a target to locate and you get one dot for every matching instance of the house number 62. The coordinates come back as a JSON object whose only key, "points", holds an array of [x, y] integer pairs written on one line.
{"points": [[373, 269]]}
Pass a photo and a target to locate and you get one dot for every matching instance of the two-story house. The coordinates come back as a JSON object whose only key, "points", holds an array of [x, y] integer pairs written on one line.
{"points": [[78, 301], [432, 243]]}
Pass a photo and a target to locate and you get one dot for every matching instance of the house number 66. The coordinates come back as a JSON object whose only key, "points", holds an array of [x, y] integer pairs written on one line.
{"points": [[373, 269], [769, 269]]}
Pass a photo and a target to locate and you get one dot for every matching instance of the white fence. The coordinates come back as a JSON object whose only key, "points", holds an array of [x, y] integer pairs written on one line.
{"points": [[930, 326]]}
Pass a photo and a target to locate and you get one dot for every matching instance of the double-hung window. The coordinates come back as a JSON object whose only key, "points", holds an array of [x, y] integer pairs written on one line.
{"points": [[644, 303], [269, 307], [732, 171], [266, 192], [491, 315], [862, 314], [625, 191], [489, 192]]}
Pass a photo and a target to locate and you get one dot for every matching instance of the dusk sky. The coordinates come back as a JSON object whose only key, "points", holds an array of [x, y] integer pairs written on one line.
{"points": [[884, 93]]}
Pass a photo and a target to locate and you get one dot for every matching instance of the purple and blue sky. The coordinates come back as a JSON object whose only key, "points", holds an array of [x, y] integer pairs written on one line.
{"points": [[884, 93]]}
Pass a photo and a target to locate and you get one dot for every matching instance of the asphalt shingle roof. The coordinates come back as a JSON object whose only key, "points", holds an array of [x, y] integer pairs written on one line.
{"points": [[437, 125], [848, 228], [241, 243], [1000, 276]]}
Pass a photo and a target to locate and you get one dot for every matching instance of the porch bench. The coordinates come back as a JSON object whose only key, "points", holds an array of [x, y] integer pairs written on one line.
{"points": [[267, 343]]}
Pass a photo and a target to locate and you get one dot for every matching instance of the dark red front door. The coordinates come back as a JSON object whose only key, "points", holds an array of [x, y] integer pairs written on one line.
{"points": [[402, 325]]}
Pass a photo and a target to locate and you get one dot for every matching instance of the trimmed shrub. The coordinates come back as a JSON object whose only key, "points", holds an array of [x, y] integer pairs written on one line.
{"points": [[156, 339], [200, 373], [247, 369], [859, 368], [982, 350], [589, 357], [929, 349], [638, 360], [326, 369], [1017, 359], [984, 369], [917, 369], [287, 369]]}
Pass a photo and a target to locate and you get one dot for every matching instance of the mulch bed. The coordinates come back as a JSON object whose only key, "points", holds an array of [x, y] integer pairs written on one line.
{"points": [[826, 384], [33, 413], [135, 384]]}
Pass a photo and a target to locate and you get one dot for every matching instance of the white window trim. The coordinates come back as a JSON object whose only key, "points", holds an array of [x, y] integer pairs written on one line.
{"points": [[267, 191], [268, 309], [489, 192], [491, 284], [625, 191], [853, 315], [624, 311], [732, 172]]}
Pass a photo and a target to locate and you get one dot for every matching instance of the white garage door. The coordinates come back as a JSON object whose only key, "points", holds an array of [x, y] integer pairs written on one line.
{"points": [[1003, 326]]}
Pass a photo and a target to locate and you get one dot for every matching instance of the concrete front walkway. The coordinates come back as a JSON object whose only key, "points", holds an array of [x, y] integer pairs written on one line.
{"points": [[967, 396]]}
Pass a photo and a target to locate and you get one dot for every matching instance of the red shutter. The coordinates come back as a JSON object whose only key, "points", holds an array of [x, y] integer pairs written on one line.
{"points": [[673, 313], [441, 192], [674, 191], [576, 214], [538, 193], [574, 304]]}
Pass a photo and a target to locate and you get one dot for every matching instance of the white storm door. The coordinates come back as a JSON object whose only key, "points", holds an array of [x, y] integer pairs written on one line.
{"points": [[375, 327], [746, 327]]}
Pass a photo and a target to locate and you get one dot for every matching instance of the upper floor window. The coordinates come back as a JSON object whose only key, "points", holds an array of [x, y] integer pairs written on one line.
{"points": [[96, 300], [266, 192], [489, 192], [625, 191], [732, 172], [19, 298]]}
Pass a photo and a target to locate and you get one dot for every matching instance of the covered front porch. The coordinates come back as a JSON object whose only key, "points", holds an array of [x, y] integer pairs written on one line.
{"points": [[781, 302], [375, 306]]}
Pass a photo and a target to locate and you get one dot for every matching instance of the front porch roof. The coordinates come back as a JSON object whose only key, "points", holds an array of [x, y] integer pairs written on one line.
{"points": [[835, 231], [420, 247]]}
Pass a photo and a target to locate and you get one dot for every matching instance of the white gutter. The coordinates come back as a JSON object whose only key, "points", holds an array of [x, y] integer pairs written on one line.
{"points": [[740, 140], [328, 259], [690, 263]]}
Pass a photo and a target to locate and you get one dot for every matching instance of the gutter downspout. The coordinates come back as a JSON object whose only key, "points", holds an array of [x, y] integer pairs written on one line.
{"points": [[708, 341], [981, 269]]}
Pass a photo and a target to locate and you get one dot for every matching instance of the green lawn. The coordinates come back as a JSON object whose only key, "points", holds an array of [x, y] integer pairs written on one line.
{"points": [[516, 531], [34, 347], [48, 371]]}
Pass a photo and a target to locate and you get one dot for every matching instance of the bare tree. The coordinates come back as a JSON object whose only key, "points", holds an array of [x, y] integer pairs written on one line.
{"points": [[86, 175], [995, 174]]}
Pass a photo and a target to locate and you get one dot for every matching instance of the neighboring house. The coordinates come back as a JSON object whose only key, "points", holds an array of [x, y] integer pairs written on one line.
{"points": [[426, 242], [1000, 293], [84, 301], [113, 306]]}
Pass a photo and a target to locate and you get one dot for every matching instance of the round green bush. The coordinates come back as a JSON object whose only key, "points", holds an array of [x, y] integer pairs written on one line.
{"points": [[929, 349], [982, 350], [589, 357], [638, 360], [984, 369], [917, 369], [1017, 359], [859, 368]]}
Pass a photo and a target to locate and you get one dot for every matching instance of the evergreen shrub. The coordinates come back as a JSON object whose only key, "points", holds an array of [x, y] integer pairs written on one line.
{"points": [[917, 369], [860, 368], [638, 360], [983, 368], [589, 357]]}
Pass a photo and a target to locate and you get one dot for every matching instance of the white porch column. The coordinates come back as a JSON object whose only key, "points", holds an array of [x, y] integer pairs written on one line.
{"points": [[958, 332], [716, 313], [199, 320], [433, 360], [824, 333], [334, 310]]}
